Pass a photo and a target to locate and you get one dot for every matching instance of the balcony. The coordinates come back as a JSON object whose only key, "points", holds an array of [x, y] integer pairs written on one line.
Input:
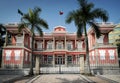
{"points": [[16, 45], [103, 45], [63, 49]]}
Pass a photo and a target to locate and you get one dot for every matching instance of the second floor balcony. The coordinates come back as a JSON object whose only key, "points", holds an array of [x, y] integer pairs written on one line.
{"points": [[103, 45], [15, 45], [62, 49]]}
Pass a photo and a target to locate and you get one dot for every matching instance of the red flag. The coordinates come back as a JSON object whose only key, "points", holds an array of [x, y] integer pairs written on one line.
{"points": [[60, 12]]}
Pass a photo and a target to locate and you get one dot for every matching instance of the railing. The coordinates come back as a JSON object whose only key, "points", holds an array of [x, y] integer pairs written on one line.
{"points": [[56, 49], [104, 23], [103, 45], [76, 49], [12, 66], [15, 44]]}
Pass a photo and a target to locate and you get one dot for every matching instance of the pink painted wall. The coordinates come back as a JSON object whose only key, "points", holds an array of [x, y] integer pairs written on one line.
{"points": [[12, 57]]}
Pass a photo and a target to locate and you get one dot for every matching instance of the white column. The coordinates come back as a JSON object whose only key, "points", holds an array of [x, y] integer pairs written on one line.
{"points": [[116, 56], [75, 42], [43, 43], [65, 42], [81, 63], [53, 43], [96, 55], [65, 59], [37, 65], [24, 37], [53, 60]]}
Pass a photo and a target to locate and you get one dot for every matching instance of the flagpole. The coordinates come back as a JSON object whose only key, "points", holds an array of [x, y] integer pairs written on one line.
{"points": [[60, 13]]}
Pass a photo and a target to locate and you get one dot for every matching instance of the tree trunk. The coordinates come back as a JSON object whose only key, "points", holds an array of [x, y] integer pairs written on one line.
{"points": [[87, 62], [31, 63]]}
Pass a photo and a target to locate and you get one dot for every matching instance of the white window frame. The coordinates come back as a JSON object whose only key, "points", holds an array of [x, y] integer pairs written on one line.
{"points": [[69, 44], [49, 45], [79, 44], [49, 59], [100, 40], [17, 54], [61, 45], [111, 54], [39, 45], [102, 54], [8, 54]]}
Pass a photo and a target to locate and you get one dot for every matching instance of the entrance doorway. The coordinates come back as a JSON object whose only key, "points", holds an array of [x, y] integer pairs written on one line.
{"points": [[59, 60]]}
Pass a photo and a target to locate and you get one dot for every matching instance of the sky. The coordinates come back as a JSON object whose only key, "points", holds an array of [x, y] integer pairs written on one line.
{"points": [[50, 11]]}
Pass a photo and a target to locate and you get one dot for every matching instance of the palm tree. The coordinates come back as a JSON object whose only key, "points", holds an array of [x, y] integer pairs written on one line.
{"points": [[2, 33], [86, 15], [2, 40], [35, 23]]}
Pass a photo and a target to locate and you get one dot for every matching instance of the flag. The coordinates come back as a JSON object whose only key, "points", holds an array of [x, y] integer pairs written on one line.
{"points": [[61, 12], [20, 12]]}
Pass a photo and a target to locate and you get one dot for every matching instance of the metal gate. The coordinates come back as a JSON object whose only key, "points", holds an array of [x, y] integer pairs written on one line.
{"points": [[60, 66], [60, 69]]}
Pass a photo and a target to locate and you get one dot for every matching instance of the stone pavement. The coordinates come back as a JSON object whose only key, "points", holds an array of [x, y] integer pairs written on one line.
{"points": [[75, 78]]}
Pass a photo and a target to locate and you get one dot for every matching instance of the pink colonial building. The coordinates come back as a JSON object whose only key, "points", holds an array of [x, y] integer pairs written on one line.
{"points": [[60, 51]]}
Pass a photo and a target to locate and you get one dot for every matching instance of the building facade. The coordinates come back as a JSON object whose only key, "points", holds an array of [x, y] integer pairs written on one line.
{"points": [[59, 51], [114, 36]]}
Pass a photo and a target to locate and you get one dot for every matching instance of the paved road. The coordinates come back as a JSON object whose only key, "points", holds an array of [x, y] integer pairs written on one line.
{"points": [[64, 78]]}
